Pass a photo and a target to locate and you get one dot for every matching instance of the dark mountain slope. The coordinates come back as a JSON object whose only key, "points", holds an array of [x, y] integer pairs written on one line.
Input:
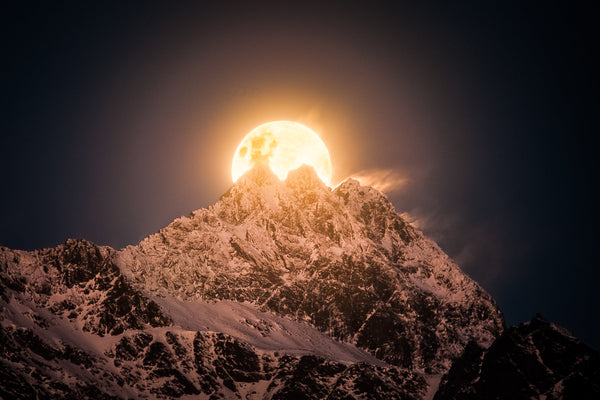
{"points": [[533, 360]]}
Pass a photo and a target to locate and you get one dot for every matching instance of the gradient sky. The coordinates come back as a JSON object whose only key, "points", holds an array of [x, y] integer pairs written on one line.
{"points": [[118, 118]]}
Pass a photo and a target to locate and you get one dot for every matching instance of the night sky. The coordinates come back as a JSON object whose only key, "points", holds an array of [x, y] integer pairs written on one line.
{"points": [[116, 119]]}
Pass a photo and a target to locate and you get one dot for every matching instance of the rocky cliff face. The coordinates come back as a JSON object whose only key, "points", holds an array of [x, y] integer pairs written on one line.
{"points": [[279, 290]]}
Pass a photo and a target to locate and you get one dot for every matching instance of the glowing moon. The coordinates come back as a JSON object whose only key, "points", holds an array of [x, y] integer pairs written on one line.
{"points": [[284, 146]]}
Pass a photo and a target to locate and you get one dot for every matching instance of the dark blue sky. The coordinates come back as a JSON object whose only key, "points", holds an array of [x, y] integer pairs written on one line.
{"points": [[118, 118]]}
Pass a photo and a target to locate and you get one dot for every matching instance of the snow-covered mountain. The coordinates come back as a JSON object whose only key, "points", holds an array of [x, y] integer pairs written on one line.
{"points": [[282, 289]]}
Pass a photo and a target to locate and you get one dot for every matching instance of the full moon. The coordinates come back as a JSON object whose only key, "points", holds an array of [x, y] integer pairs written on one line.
{"points": [[284, 146]]}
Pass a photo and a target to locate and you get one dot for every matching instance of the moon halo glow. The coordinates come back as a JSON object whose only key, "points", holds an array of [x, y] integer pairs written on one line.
{"points": [[284, 146]]}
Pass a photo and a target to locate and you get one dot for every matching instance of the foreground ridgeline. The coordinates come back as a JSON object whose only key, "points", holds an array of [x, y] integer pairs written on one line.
{"points": [[282, 289], [535, 360]]}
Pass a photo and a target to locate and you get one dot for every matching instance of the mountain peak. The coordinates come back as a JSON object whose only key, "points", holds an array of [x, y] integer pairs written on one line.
{"points": [[259, 175], [304, 178]]}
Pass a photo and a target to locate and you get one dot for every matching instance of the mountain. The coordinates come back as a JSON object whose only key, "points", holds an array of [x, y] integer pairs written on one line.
{"points": [[341, 260], [281, 289]]}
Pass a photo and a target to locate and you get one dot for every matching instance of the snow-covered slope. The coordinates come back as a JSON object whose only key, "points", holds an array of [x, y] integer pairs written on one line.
{"points": [[265, 330], [342, 260]]}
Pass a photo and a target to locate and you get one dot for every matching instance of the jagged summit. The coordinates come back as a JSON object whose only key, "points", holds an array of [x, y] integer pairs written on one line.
{"points": [[304, 178]]}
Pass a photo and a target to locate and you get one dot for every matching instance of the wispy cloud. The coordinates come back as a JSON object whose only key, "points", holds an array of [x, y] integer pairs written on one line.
{"points": [[384, 180]]}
